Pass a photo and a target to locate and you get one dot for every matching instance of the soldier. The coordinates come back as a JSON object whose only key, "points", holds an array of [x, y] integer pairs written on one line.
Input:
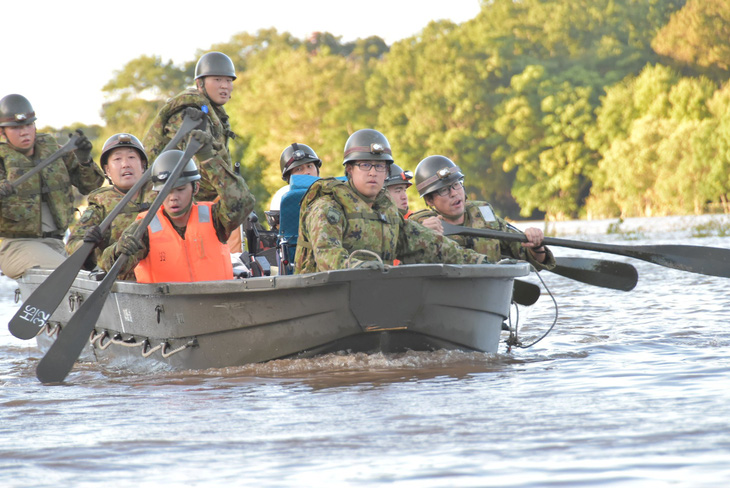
{"points": [[397, 182], [214, 75], [338, 218], [35, 215], [441, 184], [186, 241], [297, 159], [124, 161]]}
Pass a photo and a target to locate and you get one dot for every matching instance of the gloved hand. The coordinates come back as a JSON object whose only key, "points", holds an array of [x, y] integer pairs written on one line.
{"points": [[83, 148], [210, 147], [6, 189], [367, 265], [94, 235], [127, 244]]}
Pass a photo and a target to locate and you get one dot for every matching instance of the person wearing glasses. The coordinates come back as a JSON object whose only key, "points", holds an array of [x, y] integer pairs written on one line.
{"points": [[347, 223], [440, 183], [397, 182]]}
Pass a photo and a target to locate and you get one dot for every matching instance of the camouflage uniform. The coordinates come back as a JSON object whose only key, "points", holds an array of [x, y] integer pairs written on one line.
{"points": [[493, 248], [101, 202], [21, 212], [168, 121], [335, 221], [229, 212]]}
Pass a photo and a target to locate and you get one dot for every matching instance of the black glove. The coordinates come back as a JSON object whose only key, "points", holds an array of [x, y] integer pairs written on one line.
{"points": [[83, 148], [209, 145], [94, 235], [129, 245], [6, 189]]}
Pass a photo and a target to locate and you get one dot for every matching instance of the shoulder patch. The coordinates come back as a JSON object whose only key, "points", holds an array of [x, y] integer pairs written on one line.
{"points": [[487, 213], [87, 215], [333, 216]]}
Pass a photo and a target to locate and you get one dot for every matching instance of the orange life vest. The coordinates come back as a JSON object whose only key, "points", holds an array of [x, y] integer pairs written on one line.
{"points": [[198, 257]]}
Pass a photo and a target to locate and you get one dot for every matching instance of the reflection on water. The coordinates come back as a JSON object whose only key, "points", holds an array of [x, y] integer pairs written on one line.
{"points": [[629, 389]]}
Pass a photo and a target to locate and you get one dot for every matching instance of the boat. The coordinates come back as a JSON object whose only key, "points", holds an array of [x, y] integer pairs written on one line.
{"points": [[219, 324]]}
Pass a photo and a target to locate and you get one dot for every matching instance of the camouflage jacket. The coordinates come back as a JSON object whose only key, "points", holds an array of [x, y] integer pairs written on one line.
{"points": [[335, 221], [229, 212], [169, 119], [480, 215], [101, 202], [20, 213]]}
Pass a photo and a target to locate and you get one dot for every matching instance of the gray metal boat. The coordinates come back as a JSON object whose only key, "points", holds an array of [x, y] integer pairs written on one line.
{"points": [[231, 323]]}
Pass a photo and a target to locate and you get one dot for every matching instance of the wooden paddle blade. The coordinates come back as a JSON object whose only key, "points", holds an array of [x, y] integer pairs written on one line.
{"points": [[525, 293], [598, 272], [40, 305]]}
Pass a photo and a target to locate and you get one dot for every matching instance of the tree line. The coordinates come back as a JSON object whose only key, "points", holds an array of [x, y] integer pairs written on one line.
{"points": [[552, 108]]}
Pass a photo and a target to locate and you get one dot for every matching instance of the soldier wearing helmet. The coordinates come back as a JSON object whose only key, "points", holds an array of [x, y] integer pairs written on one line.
{"points": [[124, 161], [440, 183], [340, 218], [35, 215], [295, 159], [186, 240], [397, 183], [214, 75]]}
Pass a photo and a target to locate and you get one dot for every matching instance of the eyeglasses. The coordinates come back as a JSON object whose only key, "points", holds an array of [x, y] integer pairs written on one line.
{"points": [[365, 166], [442, 192]]}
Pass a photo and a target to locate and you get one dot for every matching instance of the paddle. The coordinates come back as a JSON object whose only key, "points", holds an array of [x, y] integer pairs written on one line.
{"points": [[64, 352], [525, 293], [39, 306], [711, 261], [598, 272], [70, 146]]}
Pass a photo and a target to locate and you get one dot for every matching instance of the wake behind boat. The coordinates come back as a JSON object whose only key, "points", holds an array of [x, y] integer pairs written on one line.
{"points": [[231, 323]]}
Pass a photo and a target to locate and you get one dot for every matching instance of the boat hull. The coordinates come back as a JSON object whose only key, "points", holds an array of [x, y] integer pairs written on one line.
{"points": [[231, 323]]}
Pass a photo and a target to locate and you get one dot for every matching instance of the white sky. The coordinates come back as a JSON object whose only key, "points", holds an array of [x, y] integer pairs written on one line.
{"points": [[59, 54]]}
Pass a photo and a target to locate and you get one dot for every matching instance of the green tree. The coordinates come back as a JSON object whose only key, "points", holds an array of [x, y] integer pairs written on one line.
{"points": [[698, 35]]}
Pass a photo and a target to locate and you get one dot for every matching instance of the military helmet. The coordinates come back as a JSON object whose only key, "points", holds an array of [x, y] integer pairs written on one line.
{"points": [[436, 172], [165, 164], [122, 140], [396, 176], [214, 64], [296, 155], [367, 145], [16, 110]]}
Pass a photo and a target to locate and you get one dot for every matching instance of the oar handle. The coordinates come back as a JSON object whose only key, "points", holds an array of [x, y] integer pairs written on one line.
{"points": [[70, 146]]}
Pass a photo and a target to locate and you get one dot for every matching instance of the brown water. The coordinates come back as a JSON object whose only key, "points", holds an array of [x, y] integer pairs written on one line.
{"points": [[629, 389]]}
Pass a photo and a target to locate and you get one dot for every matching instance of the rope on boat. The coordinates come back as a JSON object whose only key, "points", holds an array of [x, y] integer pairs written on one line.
{"points": [[513, 340], [368, 252], [99, 337]]}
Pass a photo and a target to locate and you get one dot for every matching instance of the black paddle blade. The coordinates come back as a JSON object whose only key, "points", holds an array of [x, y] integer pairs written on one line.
{"points": [[598, 272], [40, 305], [64, 352], [712, 261], [525, 293]]}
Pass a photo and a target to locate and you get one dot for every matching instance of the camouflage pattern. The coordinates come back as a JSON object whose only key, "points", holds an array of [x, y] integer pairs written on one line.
{"points": [[229, 212], [336, 220], [493, 248], [101, 202], [168, 121], [20, 213]]}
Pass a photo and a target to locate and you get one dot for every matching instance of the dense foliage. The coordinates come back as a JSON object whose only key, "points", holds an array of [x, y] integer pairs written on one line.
{"points": [[563, 108]]}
